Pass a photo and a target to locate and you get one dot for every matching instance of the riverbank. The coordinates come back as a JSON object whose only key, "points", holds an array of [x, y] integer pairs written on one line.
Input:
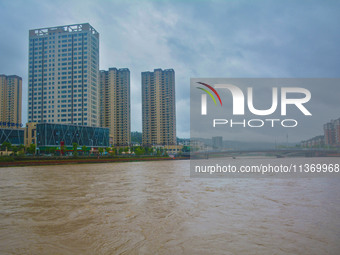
{"points": [[62, 161]]}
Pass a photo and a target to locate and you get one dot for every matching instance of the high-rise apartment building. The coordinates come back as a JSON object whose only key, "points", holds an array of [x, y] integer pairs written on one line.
{"points": [[115, 104], [337, 131], [159, 107], [63, 84], [332, 132], [329, 132], [10, 101]]}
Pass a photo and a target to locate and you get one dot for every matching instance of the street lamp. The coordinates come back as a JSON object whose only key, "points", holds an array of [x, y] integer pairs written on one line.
{"points": [[91, 145]]}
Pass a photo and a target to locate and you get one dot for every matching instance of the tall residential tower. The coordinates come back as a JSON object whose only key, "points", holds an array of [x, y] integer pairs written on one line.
{"points": [[10, 101], [63, 74], [332, 132], [115, 104], [159, 107]]}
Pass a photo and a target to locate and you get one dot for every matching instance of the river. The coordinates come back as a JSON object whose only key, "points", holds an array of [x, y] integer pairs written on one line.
{"points": [[157, 208]]}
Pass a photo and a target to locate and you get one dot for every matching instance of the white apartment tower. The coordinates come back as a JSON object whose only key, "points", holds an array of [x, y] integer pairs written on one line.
{"points": [[63, 74]]}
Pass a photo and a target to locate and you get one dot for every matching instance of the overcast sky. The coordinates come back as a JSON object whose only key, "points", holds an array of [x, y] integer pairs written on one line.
{"points": [[196, 38]]}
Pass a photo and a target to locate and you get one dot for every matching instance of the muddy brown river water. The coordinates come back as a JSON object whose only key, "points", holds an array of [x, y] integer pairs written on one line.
{"points": [[156, 208]]}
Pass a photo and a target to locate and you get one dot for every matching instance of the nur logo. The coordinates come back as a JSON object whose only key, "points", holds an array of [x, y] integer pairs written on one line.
{"points": [[302, 96]]}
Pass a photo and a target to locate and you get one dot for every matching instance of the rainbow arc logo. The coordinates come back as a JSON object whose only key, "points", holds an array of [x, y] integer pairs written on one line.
{"points": [[209, 93]]}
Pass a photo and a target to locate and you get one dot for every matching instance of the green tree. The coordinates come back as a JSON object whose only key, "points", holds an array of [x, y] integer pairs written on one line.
{"points": [[31, 148], [114, 151], [15, 149], [84, 149], [21, 152], [6, 145], [52, 150], [108, 149], [101, 150], [186, 148], [148, 150], [139, 150], [21, 147], [75, 147]]}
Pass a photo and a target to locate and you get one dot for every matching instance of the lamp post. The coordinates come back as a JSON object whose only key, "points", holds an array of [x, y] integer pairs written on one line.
{"points": [[36, 141], [91, 144]]}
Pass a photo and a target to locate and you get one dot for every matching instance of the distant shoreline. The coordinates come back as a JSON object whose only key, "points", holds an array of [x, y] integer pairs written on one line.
{"points": [[64, 161]]}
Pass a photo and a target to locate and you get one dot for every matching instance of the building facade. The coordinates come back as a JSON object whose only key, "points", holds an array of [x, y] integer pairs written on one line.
{"points": [[10, 101], [159, 107], [63, 75], [337, 131], [30, 133], [329, 132], [217, 142], [332, 132], [15, 136], [53, 135], [115, 104], [315, 142]]}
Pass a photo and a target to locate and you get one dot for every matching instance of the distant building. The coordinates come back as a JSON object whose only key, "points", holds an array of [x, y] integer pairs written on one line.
{"points": [[217, 142], [329, 132], [46, 135], [332, 132], [159, 107], [337, 131], [315, 142], [196, 145], [183, 141], [63, 75], [10, 101], [115, 104], [173, 149]]}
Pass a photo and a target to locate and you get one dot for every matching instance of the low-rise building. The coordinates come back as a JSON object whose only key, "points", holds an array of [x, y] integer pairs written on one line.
{"points": [[14, 136], [45, 135], [315, 142]]}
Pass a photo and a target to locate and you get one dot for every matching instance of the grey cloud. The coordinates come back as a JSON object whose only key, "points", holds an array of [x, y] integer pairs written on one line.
{"points": [[196, 38]]}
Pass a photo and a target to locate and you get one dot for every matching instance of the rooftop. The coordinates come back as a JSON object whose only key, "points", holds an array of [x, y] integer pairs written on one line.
{"points": [[63, 29]]}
